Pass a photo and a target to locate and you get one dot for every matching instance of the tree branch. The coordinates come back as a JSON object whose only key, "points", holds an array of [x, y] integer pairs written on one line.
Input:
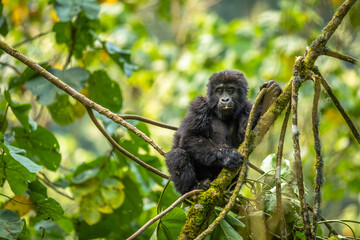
{"points": [[11, 66], [209, 198], [298, 164], [317, 46], [319, 164], [147, 120], [166, 211], [32, 38], [278, 174], [78, 96], [121, 149], [338, 105], [340, 56]]}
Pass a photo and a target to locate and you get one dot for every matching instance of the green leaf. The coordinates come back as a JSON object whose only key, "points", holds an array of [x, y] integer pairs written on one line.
{"points": [[26, 162], [4, 29], [17, 175], [75, 77], [27, 75], [41, 143], [62, 32], [18, 171], [21, 111], [121, 57], [44, 90], [170, 225], [10, 224], [66, 110], [112, 191], [105, 91], [89, 209], [85, 175], [48, 208], [67, 9]]}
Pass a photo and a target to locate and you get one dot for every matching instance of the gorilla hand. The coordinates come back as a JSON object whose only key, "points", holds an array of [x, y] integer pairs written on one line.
{"points": [[273, 91], [231, 158]]}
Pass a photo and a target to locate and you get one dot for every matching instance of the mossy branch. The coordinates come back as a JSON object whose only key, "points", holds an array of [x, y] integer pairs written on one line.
{"points": [[199, 212], [78, 96]]}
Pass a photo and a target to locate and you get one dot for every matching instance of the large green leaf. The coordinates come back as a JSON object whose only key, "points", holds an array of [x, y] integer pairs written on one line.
{"points": [[21, 111], [121, 57], [17, 175], [170, 225], [67, 9], [4, 29], [46, 92], [48, 208], [16, 153], [40, 143], [19, 170], [10, 224], [45, 207], [27, 75], [105, 91], [66, 110]]}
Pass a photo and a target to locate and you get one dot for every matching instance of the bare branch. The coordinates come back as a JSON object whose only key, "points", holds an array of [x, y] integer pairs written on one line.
{"points": [[122, 150], [48, 183], [278, 173], [298, 165], [78, 96], [319, 164], [341, 56], [32, 38], [338, 105], [317, 46], [11, 66], [166, 211], [147, 120]]}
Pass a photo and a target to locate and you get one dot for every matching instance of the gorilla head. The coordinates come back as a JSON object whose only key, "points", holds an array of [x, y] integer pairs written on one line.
{"points": [[226, 93]]}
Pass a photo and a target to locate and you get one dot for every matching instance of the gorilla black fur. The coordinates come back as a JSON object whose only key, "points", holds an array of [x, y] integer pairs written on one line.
{"points": [[212, 130]]}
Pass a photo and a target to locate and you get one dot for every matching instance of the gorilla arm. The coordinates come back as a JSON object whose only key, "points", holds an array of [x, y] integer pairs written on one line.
{"points": [[195, 139]]}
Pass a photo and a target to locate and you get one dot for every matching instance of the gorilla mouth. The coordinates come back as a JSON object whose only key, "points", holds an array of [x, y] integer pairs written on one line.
{"points": [[226, 107]]}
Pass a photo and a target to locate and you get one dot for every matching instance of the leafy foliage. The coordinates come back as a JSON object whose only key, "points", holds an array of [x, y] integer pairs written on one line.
{"points": [[152, 59]]}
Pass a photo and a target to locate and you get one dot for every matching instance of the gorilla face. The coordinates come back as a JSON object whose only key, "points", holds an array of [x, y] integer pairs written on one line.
{"points": [[226, 96]]}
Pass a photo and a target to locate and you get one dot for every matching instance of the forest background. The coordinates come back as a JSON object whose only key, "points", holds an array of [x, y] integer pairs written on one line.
{"points": [[151, 58]]}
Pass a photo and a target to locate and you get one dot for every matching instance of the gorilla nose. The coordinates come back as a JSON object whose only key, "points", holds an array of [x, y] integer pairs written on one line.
{"points": [[225, 100]]}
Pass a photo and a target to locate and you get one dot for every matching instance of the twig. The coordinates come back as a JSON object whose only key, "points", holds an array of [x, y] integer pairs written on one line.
{"points": [[317, 46], [343, 222], [242, 174], [166, 211], [32, 38], [11, 199], [298, 165], [122, 150], [278, 174], [328, 225], [338, 105], [72, 46], [319, 164], [49, 184], [340, 56], [147, 120], [78, 96], [11, 66]]}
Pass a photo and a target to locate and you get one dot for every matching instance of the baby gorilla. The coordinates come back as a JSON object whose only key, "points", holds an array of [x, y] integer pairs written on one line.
{"points": [[213, 129]]}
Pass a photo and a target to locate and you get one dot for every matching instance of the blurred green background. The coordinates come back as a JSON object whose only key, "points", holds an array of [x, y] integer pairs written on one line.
{"points": [[160, 54]]}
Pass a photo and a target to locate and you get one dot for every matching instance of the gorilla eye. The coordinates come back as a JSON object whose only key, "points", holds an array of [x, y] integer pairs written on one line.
{"points": [[231, 90], [219, 90]]}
